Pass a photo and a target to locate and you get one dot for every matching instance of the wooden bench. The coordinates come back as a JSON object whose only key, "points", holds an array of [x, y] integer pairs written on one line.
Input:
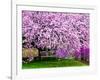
{"points": [[46, 54]]}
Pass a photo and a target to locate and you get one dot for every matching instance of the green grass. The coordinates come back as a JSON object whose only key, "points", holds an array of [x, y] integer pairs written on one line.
{"points": [[52, 62]]}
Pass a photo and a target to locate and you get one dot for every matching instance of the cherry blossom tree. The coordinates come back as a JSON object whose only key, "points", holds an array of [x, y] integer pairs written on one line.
{"points": [[65, 33]]}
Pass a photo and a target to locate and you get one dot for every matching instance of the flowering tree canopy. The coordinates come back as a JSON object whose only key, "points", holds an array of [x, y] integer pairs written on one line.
{"points": [[66, 33]]}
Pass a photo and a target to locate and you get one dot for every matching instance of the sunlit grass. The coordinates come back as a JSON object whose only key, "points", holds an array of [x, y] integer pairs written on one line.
{"points": [[48, 63]]}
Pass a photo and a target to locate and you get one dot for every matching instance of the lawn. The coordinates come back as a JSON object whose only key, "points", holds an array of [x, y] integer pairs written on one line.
{"points": [[52, 62]]}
